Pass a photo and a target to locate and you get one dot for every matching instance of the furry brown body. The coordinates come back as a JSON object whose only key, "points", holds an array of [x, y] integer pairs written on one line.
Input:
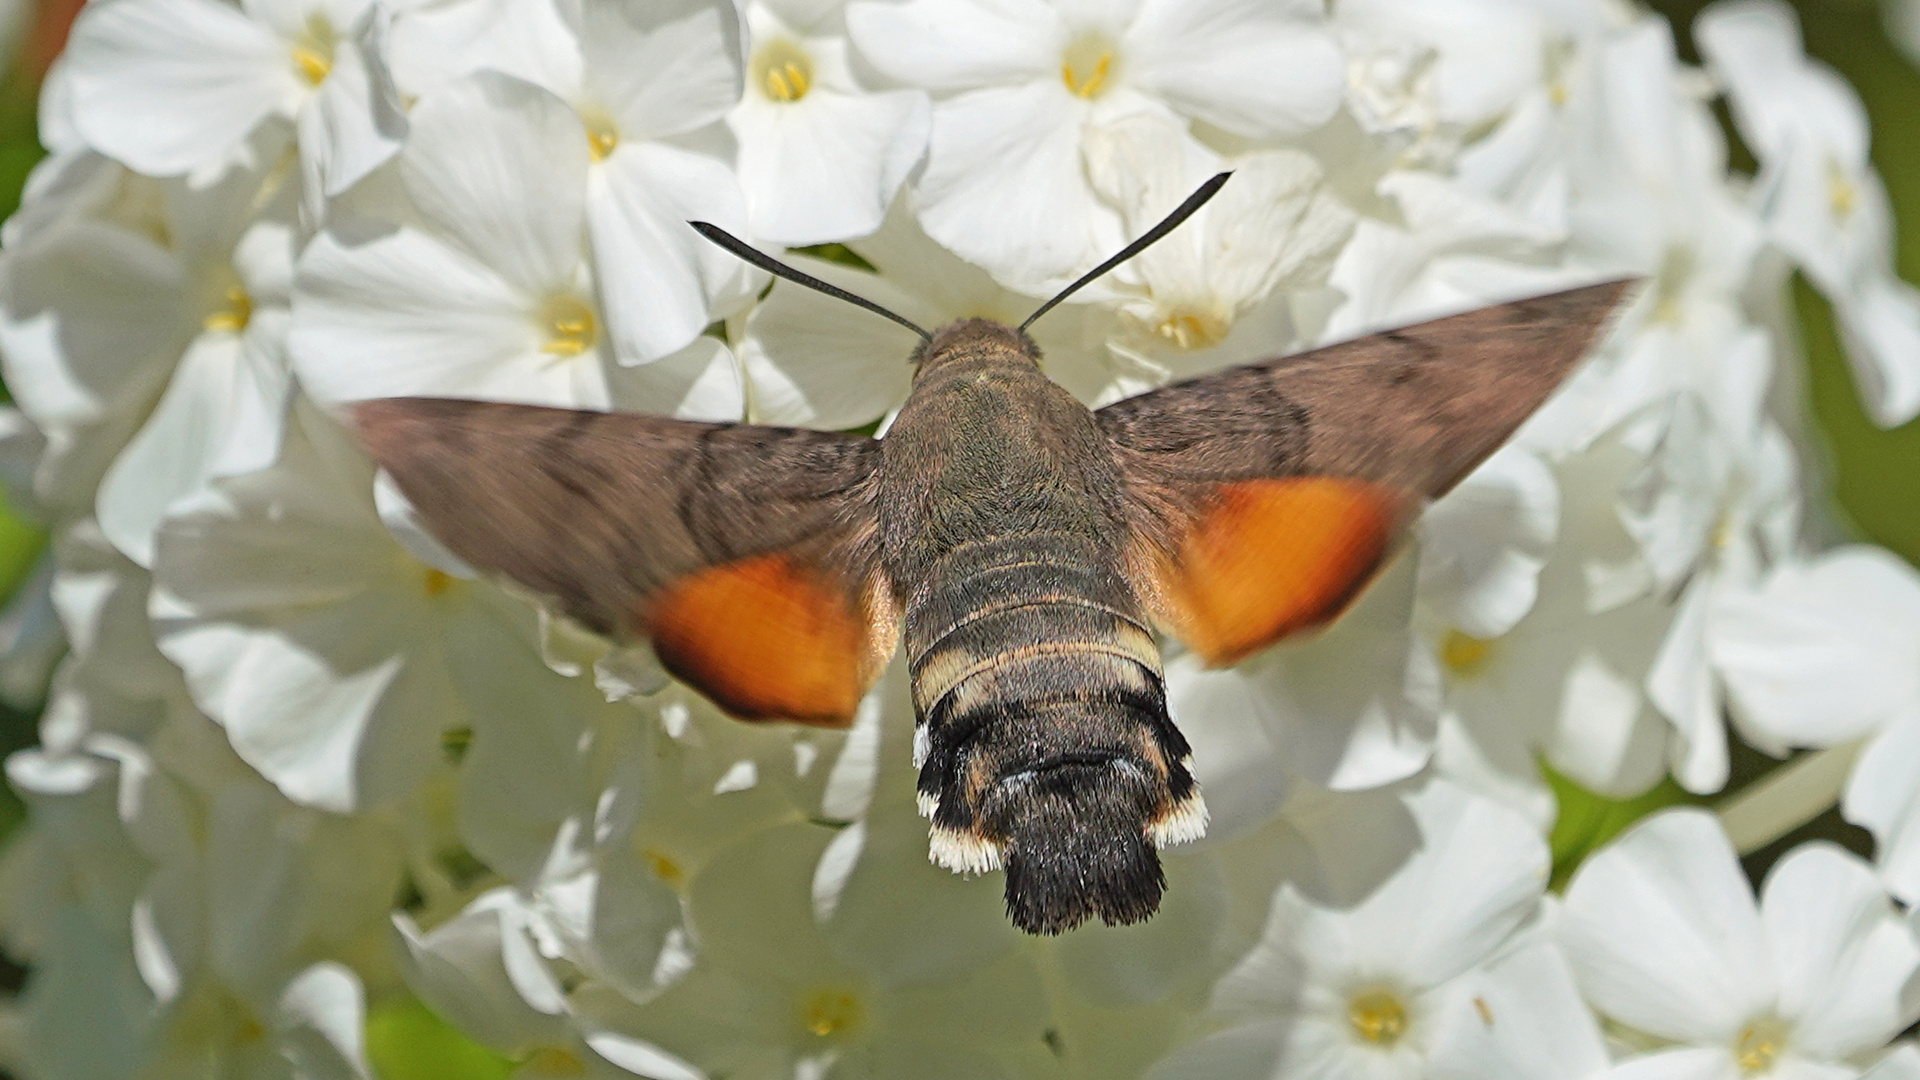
{"points": [[1024, 545]]}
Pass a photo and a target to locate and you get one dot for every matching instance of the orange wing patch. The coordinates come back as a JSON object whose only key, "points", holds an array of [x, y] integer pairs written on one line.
{"points": [[766, 638], [1273, 557]]}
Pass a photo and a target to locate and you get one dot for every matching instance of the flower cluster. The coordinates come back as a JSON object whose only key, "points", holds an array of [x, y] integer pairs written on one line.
{"points": [[298, 759]]}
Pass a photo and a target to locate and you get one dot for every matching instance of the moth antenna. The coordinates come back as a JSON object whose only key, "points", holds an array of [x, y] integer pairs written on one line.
{"points": [[777, 268], [1172, 221]]}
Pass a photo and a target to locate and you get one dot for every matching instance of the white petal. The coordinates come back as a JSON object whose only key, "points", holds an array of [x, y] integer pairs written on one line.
{"points": [[663, 68], [435, 44], [405, 314], [1842, 955], [1821, 652], [1483, 544], [457, 970], [1004, 186], [168, 85], [827, 166], [358, 113], [222, 414], [1883, 796], [1238, 762], [1692, 1063], [1249, 66], [1881, 321], [500, 166], [1522, 1017], [322, 1023], [1250, 1053], [659, 279], [942, 45], [1683, 686], [700, 382], [1663, 933]]}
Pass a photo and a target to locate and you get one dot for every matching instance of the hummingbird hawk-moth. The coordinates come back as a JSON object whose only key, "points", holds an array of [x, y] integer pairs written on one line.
{"points": [[1024, 546]]}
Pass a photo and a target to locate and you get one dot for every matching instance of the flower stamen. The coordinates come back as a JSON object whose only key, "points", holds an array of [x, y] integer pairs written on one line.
{"points": [[1760, 1045], [232, 314], [827, 1012], [569, 325], [1086, 66], [602, 134], [313, 53], [1377, 1017], [783, 72], [1465, 655]]}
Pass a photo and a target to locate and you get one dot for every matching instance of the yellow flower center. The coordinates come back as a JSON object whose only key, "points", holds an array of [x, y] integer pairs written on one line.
{"points": [[602, 134], [1760, 1045], [1378, 1017], [827, 1012], [232, 314], [1086, 65], [1189, 329], [783, 71], [1842, 196], [313, 52], [569, 326], [664, 867], [555, 1061], [436, 582], [1465, 655]]}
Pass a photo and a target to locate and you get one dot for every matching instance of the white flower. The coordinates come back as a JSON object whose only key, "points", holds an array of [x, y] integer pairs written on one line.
{"points": [[492, 296], [1219, 289], [649, 83], [1365, 990], [820, 155], [179, 86], [107, 283], [1666, 940], [1020, 84], [1823, 203], [333, 658], [1822, 653]]}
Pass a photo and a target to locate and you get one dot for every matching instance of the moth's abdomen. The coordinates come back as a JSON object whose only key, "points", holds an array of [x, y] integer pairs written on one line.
{"points": [[1043, 744]]}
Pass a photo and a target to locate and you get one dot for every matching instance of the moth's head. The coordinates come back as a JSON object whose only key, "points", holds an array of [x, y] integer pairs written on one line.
{"points": [[965, 342], [1075, 818]]}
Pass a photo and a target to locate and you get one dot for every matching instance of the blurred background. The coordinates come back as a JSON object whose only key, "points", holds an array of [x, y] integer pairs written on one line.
{"points": [[1873, 483]]}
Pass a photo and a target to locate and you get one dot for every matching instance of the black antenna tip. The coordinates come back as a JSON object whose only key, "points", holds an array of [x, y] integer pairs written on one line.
{"points": [[1147, 239], [751, 255]]}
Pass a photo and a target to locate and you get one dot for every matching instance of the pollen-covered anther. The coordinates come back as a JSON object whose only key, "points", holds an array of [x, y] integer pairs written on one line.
{"points": [[1842, 195], [312, 54], [1760, 1044], [569, 326], [783, 71], [830, 1011], [963, 852], [603, 135], [232, 314], [1377, 1016], [1087, 65], [1464, 655], [1189, 328]]}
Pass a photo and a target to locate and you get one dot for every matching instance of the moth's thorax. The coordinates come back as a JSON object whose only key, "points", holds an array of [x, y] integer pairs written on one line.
{"points": [[968, 343]]}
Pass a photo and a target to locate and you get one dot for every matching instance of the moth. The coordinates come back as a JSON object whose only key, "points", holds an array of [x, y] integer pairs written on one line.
{"points": [[1024, 547]]}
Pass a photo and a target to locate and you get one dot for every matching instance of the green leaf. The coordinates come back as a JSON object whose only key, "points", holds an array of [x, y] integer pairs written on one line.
{"points": [[406, 1041]]}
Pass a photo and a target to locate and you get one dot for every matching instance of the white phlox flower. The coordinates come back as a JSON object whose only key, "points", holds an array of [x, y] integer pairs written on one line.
{"points": [[1271, 232], [1366, 990], [1817, 192], [123, 291], [333, 658], [1018, 85], [649, 84], [490, 294], [483, 970], [778, 994], [1666, 940], [821, 155], [173, 87], [1820, 653]]}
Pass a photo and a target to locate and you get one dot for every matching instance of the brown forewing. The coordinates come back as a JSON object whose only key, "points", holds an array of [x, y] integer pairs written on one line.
{"points": [[1216, 467], [747, 554]]}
